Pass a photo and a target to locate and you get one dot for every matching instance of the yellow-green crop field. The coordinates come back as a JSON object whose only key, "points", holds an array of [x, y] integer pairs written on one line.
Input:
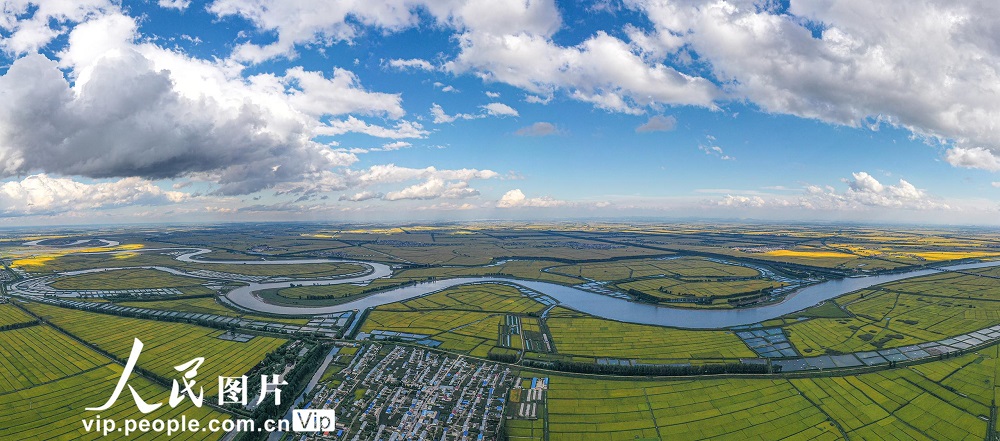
{"points": [[525, 430], [126, 279], [941, 400], [47, 380], [678, 288], [38, 354], [485, 297], [74, 262], [10, 315], [594, 337], [902, 313], [463, 318], [690, 267], [474, 333], [522, 269], [166, 344]]}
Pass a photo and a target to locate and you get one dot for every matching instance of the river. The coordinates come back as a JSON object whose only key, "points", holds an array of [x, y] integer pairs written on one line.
{"points": [[584, 301]]}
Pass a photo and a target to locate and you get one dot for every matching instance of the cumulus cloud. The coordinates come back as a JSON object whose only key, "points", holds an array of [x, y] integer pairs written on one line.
{"points": [[448, 206], [499, 109], [361, 196], [492, 109], [434, 188], [401, 130], [391, 173], [657, 123], [975, 157], [315, 95], [411, 64], [432, 183], [508, 41], [136, 109], [445, 87], [179, 5], [848, 62], [740, 201], [31, 25], [440, 117], [863, 192], [44, 195], [392, 146], [535, 99], [516, 199], [538, 129], [851, 62]]}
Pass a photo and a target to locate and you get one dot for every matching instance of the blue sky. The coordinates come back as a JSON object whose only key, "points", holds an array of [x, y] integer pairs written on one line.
{"points": [[474, 109]]}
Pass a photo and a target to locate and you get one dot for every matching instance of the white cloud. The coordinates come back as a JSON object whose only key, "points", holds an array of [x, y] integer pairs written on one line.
{"points": [[602, 70], [535, 99], [394, 146], [390, 173], [516, 199], [44, 195], [361, 196], [714, 150], [402, 129], [316, 96], [440, 117], [657, 123], [863, 192], [448, 206], [500, 109], [739, 201], [861, 70], [492, 109], [433, 188], [849, 62], [995, 184], [179, 5], [538, 129], [492, 94], [412, 63], [507, 41], [32, 25], [136, 109], [975, 157]]}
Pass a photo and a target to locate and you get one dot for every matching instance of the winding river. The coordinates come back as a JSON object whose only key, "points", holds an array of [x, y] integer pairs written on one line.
{"points": [[584, 301]]}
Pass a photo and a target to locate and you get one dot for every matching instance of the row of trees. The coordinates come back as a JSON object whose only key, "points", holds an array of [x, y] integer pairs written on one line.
{"points": [[665, 370]]}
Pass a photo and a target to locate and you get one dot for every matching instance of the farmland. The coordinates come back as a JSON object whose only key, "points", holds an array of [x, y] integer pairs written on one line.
{"points": [[166, 344], [38, 354], [463, 319], [675, 289], [47, 379], [585, 336], [10, 315], [933, 401], [940, 396], [906, 312], [631, 269], [126, 279]]}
